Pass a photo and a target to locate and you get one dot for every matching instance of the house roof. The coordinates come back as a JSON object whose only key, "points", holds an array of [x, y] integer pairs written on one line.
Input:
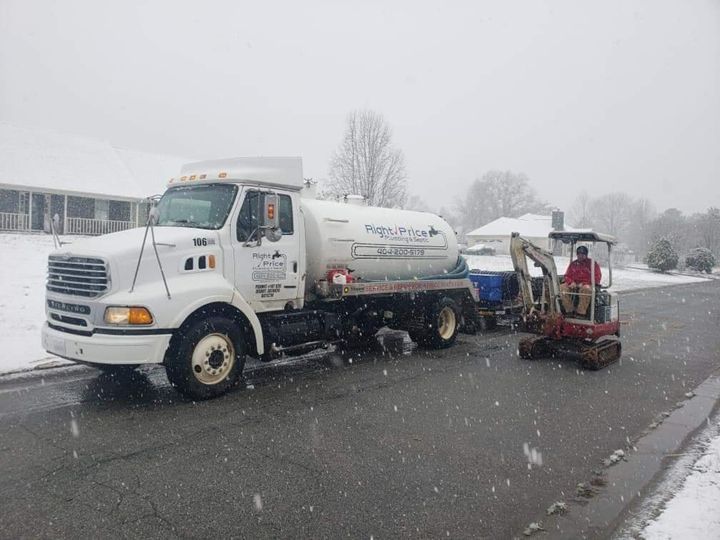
{"points": [[528, 225], [44, 159]]}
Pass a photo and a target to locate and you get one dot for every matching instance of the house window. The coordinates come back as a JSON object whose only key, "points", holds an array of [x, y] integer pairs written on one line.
{"points": [[23, 202], [9, 201], [102, 209], [119, 211], [81, 207]]}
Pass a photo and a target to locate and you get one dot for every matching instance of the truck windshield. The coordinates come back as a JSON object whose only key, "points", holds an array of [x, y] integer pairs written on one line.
{"points": [[201, 206]]}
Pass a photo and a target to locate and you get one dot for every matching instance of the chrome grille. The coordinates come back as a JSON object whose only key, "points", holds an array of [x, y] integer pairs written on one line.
{"points": [[77, 276]]}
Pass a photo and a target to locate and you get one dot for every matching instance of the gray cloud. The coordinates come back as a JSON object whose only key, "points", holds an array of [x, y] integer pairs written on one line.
{"points": [[602, 96]]}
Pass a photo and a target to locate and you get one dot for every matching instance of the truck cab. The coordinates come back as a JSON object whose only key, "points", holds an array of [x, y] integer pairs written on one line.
{"points": [[120, 298]]}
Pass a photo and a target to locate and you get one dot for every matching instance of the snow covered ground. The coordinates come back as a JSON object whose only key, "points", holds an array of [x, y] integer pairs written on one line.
{"points": [[686, 504], [22, 296], [694, 511]]}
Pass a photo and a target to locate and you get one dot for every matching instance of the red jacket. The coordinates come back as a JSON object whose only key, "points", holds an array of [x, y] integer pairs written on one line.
{"points": [[579, 272]]}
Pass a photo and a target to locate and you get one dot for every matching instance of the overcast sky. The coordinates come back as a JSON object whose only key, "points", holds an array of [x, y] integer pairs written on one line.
{"points": [[611, 95]]}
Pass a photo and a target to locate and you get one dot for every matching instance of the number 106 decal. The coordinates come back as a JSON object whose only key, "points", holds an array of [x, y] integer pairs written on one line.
{"points": [[203, 241]]}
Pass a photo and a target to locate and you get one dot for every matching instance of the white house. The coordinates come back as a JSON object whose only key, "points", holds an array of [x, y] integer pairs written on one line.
{"points": [[92, 186], [496, 234]]}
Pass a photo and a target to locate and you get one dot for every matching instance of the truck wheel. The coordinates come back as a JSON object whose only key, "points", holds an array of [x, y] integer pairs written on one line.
{"points": [[440, 326], [206, 358]]}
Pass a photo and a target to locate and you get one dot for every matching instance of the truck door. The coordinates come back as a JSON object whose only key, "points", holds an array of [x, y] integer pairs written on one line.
{"points": [[266, 273]]}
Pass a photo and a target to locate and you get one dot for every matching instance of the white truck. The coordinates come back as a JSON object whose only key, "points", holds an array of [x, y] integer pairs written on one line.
{"points": [[238, 260]]}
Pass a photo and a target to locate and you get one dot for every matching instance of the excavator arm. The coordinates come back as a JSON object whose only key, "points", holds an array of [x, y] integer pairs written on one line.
{"points": [[521, 250]]}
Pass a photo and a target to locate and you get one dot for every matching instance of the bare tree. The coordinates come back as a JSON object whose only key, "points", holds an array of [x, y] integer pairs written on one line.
{"points": [[581, 211], [414, 202], [498, 194], [673, 225], [510, 194], [618, 214], [708, 229], [366, 163], [472, 210], [638, 231], [612, 213]]}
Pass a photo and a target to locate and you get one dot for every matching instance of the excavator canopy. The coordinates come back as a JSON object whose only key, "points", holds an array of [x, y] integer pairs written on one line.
{"points": [[571, 237]]}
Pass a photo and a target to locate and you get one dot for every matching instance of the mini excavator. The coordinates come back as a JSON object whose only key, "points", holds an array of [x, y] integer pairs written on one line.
{"points": [[592, 339]]}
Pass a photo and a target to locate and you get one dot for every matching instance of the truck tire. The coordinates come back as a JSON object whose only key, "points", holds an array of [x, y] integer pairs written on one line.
{"points": [[206, 358], [439, 328]]}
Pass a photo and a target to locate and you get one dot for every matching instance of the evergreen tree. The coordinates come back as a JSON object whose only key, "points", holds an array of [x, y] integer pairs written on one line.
{"points": [[662, 256], [700, 259]]}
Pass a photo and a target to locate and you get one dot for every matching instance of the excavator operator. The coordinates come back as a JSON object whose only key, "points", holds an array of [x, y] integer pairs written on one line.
{"points": [[579, 281]]}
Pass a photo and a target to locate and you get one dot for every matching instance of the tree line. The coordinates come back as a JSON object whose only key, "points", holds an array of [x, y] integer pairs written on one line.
{"points": [[367, 163], [639, 226]]}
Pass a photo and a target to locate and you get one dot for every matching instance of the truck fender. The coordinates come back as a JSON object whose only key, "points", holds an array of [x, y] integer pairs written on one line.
{"points": [[239, 302]]}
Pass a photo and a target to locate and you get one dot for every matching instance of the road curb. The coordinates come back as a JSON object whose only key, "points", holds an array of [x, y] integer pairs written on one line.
{"points": [[627, 482]]}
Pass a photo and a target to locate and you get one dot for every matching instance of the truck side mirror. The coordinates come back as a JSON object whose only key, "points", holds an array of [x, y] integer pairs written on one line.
{"points": [[270, 219], [153, 215], [270, 213], [273, 235]]}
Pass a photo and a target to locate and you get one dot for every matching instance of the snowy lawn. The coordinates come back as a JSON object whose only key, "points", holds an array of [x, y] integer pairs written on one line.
{"points": [[637, 276], [694, 511], [22, 294]]}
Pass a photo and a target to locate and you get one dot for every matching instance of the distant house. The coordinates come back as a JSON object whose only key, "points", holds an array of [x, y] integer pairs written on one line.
{"points": [[91, 186], [496, 234]]}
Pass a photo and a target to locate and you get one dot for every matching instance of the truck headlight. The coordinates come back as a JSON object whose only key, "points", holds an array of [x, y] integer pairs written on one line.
{"points": [[128, 315]]}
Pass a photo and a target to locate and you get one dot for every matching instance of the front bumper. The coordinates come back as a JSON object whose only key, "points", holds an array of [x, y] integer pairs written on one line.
{"points": [[106, 349]]}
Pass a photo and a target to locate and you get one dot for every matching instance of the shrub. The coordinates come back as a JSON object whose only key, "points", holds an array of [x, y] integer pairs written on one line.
{"points": [[700, 259], [662, 256]]}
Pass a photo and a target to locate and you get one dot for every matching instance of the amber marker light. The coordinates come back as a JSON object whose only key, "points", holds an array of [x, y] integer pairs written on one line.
{"points": [[271, 211], [222, 175], [140, 315], [211, 261]]}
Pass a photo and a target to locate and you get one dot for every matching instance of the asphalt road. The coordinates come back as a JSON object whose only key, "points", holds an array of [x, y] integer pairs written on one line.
{"points": [[470, 442]]}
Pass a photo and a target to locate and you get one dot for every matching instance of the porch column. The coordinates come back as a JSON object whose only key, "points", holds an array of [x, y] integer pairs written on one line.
{"points": [[64, 229], [30, 205]]}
